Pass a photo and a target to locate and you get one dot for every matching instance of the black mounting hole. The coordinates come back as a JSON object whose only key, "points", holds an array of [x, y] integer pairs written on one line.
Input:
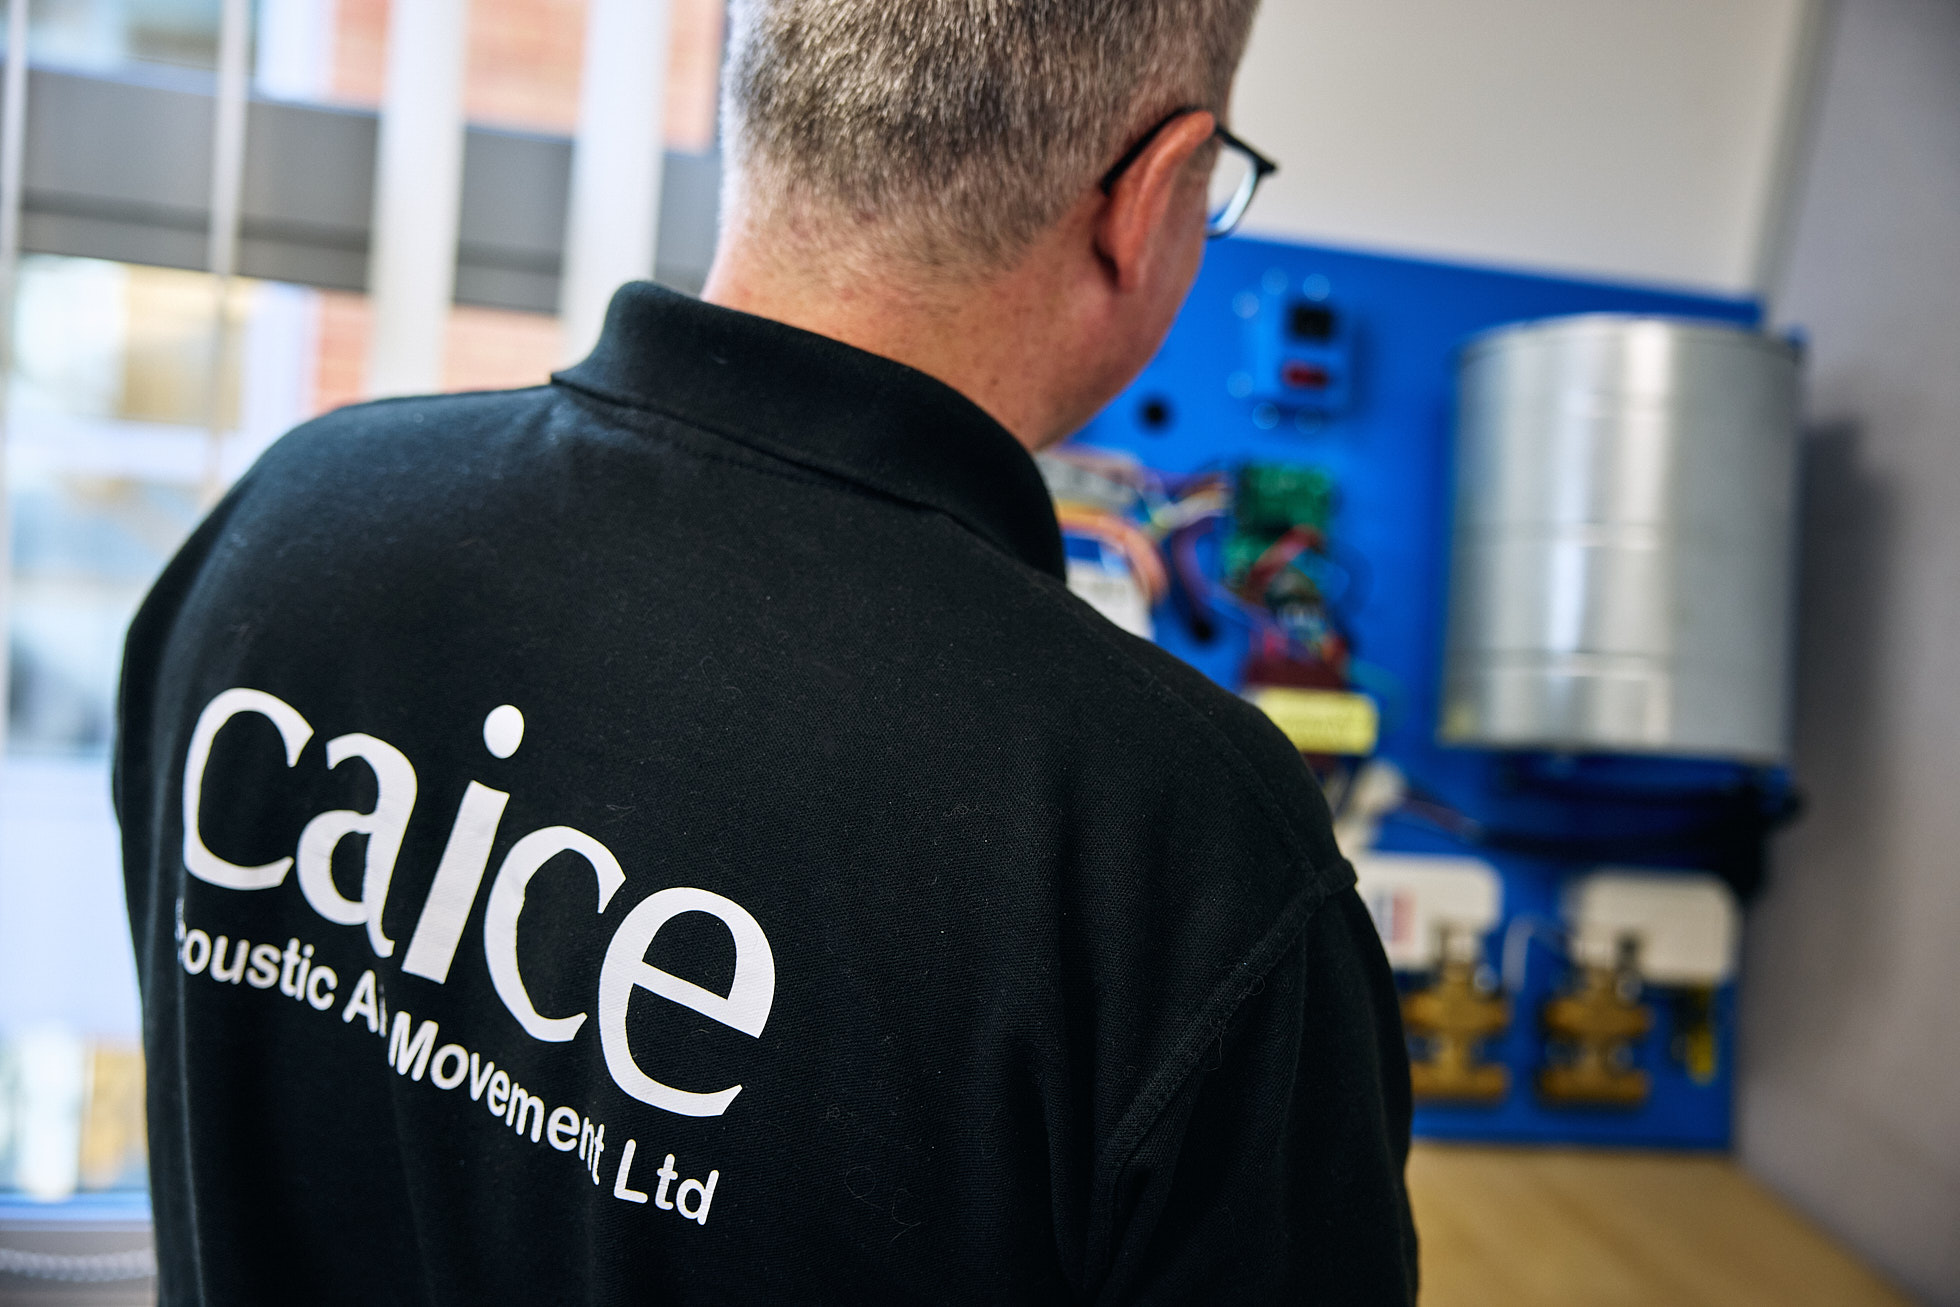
{"points": [[1155, 414]]}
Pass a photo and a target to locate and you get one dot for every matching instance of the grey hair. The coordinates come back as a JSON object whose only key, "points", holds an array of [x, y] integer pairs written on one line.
{"points": [[952, 132]]}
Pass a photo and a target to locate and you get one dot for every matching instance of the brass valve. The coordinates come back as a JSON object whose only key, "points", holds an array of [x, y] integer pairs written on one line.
{"points": [[1453, 1017], [1592, 1028]]}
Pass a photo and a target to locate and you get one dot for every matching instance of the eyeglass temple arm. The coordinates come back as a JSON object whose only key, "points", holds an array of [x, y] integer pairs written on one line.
{"points": [[1263, 166]]}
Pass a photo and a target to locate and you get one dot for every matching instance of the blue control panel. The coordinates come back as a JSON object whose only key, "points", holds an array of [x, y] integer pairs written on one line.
{"points": [[1344, 362]]}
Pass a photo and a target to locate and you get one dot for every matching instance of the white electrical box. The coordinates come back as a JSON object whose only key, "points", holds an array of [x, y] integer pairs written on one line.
{"points": [[1686, 926], [1114, 592], [1423, 905]]}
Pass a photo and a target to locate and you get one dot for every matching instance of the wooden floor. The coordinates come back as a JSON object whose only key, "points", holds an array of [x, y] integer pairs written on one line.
{"points": [[1520, 1228]]}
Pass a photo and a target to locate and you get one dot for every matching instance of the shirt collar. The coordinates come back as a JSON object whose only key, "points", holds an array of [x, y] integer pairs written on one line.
{"points": [[825, 405]]}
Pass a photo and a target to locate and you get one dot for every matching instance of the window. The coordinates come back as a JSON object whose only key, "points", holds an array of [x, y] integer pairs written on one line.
{"points": [[133, 400]]}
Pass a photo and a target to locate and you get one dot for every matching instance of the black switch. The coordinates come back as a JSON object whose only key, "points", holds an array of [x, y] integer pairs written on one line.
{"points": [[1311, 322]]}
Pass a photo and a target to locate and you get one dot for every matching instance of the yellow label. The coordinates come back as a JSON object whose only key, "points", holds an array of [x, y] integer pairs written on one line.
{"points": [[1321, 721]]}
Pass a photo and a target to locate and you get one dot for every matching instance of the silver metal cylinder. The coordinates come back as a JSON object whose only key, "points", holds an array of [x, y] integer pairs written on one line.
{"points": [[1621, 571]]}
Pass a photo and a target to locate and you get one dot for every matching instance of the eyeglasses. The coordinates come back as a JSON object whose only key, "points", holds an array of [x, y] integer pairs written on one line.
{"points": [[1235, 177]]}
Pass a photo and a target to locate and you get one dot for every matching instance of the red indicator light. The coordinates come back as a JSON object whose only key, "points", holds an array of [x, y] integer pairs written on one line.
{"points": [[1303, 376]]}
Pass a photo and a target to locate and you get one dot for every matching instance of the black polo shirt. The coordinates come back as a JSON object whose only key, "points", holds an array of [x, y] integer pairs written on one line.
{"points": [[670, 836]]}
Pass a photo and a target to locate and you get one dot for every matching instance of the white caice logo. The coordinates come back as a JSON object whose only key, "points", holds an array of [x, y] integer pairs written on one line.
{"points": [[458, 881]]}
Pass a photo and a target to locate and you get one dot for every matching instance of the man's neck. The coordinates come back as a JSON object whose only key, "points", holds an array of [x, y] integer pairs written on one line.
{"points": [[993, 340]]}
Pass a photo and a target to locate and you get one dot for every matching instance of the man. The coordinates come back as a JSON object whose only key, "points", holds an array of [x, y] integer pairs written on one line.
{"points": [[671, 836]]}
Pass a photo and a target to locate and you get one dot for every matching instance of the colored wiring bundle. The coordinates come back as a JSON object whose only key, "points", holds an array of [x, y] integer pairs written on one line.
{"points": [[1158, 523]]}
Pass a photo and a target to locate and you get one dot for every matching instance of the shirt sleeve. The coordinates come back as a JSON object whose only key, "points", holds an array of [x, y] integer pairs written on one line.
{"points": [[1276, 1173]]}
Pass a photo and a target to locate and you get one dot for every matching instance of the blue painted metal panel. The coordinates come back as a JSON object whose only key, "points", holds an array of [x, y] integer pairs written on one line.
{"points": [[1213, 399]]}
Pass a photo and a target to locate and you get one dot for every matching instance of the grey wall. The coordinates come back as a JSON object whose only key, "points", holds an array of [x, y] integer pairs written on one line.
{"points": [[1627, 139], [1850, 1101]]}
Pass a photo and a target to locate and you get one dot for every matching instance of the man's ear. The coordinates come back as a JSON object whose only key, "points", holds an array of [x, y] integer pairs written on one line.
{"points": [[1141, 210]]}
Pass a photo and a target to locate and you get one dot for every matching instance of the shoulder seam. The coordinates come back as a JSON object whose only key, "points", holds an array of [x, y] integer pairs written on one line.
{"points": [[1147, 1109], [357, 406]]}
